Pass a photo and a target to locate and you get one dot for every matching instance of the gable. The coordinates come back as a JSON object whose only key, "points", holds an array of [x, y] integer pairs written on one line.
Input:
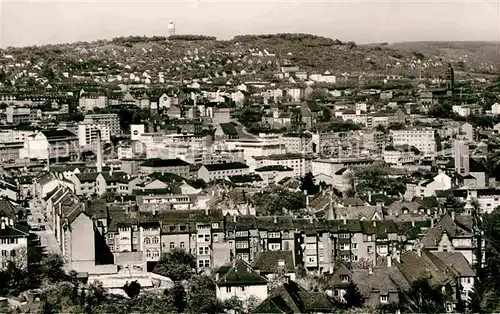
{"points": [[156, 184]]}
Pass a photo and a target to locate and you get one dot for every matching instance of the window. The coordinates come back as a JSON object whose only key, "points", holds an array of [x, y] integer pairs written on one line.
{"points": [[148, 253], [286, 246], [203, 250], [274, 246], [147, 240], [345, 247], [242, 233], [242, 245], [274, 235], [172, 245], [355, 258], [369, 249], [344, 235], [244, 256], [384, 299], [4, 253], [182, 245], [369, 238], [182, 228], [354, 246], [156, 240], [228, 289], [242, 288], [215, 225], [344, 278]]}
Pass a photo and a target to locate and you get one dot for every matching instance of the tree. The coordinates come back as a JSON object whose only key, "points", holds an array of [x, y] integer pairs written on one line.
{"points": [[177, 297], [53, 268], [202, 297], [177, 265], [422, 298], [352, 296], [132, 289], [309, 185]]}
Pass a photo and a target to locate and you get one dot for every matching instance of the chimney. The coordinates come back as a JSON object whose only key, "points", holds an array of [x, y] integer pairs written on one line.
{"points": [[234, 218], [389, 260], [432, 222], [2, 225], [453, 215], [311, 219], [344, 220], [275, 219], [413, 223], [370, 270], [206, 211], [374, 223], [419, 252], [369, 196], [331, 268], [11, 222], [307, 201], [99, 152]]}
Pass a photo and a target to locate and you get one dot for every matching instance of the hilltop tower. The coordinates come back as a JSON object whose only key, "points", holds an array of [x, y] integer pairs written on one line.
{"points": [[171, 29], [450, 78]]}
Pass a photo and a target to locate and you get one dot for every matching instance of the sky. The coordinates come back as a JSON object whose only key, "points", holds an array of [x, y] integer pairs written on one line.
{"points": [[25, 23]]}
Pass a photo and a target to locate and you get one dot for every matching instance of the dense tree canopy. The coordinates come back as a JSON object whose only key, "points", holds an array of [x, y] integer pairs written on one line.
{"points": [[177, 265]]}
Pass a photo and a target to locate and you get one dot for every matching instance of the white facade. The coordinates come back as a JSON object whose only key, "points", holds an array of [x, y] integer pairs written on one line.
{"points": [[136, 130], [110, 120], [423, 139], [88, 134], [495, 109], [243, 293], [8, 243]]}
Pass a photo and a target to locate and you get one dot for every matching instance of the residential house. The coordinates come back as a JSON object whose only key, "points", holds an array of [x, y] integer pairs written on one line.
{"points": [[241, 281], [13, 243]]}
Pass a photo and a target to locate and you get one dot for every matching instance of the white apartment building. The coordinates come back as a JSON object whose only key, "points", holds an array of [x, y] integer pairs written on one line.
{"points": [[264, 145], [329, 166], [422, 138], [8, 136], [495, 109], [110, 120], [89, 102], [297, 143], [88, 133], [301, 164]]}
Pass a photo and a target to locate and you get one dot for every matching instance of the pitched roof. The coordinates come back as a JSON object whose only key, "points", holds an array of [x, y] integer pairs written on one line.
{"points": [[292, 298], [14, 231], [446, 224], [271, 261], [240, 274], [457, 261]]}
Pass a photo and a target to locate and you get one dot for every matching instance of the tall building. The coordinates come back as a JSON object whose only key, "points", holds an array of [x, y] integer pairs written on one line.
{"points": [[422, 138], [171, 29], [461, 149], [88, 134], [110, 120]]}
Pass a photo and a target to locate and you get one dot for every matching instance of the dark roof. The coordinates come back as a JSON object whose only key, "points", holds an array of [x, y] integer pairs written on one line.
{"points": [[291, 298], [273, 168], [14, 231], [157, 162], [87, 176], [225, 166], [457, 261], [245, 178], [240, 274], [229, 129], [271, 261], [56, 134]]}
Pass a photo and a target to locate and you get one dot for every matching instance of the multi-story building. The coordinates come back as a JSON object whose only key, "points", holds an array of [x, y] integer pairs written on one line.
{"points": [[301, 164], [88, 134], [13, 238], [176, 166], [422, 138], [16, 115], [91, 101], [221, 171], [297, 143], [264, 145], [51, 144], [330, 166], [109, 120], [461, 150]]}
